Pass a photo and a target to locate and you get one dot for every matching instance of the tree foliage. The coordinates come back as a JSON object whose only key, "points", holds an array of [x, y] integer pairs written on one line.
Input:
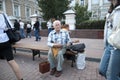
{"points": [[53, 8], [81, 13]]}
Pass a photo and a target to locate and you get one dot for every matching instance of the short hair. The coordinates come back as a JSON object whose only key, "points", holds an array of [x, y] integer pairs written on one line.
{"points": [[65, 26], [56, 21]]}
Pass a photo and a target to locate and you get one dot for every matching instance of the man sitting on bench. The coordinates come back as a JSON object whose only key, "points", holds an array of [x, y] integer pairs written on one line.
{"points": [[58, 39]]}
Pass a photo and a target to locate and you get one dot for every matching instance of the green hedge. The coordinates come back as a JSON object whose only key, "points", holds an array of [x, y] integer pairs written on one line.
{"points": [[43, 25], [91, 25]]}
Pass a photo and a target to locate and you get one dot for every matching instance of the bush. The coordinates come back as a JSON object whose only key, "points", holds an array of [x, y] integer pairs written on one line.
{"points": [[91, 24]]}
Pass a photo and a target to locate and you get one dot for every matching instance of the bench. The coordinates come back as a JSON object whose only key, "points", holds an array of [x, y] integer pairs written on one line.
{"points": [[35, 46], [38, 46]]}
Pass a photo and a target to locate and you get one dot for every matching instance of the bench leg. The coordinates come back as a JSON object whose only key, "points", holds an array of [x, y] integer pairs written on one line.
{"points": [[39, 54], [73, 61], [70, 57], [34, 53]]}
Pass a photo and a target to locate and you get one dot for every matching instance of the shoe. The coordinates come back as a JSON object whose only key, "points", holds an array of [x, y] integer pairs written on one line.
{"points": [[52, 72], [39, 39], [58, 73], [36, 40]]}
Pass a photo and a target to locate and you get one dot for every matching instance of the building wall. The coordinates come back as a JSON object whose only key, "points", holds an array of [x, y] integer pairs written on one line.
{"points": [[9, 8], [98, 8]]}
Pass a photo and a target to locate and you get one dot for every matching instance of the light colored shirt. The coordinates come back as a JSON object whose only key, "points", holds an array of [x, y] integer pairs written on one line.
{"points": [[49, 24], [28, 26], [62, 38], [3, 36], [113, 21], [21, 25]]}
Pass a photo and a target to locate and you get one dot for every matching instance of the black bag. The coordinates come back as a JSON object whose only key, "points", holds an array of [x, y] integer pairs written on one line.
{"points": [[13, 35], [77, 47]]}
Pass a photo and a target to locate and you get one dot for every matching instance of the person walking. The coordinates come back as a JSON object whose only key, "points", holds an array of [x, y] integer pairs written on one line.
{"points": [[16, 25], [22, 32], [112, 60], [58, 39], [37, 30], [49, 26], [107, 47], [6, 48], [28, 30]]}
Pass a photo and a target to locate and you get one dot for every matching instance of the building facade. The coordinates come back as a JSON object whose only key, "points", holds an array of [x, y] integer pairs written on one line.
{"points": [[20, 9], [98, 8], [23, 9]]}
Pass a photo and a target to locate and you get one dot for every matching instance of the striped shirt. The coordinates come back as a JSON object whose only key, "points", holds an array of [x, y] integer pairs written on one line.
{"points": [[62, 38]]}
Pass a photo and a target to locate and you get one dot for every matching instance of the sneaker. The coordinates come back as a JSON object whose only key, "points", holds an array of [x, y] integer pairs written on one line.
{"points": [[52, 72], [58, 73]]}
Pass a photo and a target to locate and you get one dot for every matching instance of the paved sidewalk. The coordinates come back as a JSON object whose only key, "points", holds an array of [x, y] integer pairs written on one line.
{"points": [[30, 68]]}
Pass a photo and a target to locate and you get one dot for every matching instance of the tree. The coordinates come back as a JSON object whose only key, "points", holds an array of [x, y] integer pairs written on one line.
{"points": [[81, 13], [53, 8]]}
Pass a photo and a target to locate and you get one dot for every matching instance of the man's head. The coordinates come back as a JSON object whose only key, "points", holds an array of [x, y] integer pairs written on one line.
{"points": [[57, 25]]}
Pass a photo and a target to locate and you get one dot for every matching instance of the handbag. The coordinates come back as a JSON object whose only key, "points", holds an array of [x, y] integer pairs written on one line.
{"points": [[13, 35], [77, 47], [114, 38], [44, 67]]}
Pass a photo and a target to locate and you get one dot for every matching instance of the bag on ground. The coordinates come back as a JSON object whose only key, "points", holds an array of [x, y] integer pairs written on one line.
{"points": [[81, 61], [44, 67]]}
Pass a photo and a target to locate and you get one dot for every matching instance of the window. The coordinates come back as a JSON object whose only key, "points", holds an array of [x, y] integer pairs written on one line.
{"points": [[27, 12], [1, 5], [95, 1], [82, 2], [106, 1], [16, 10]]}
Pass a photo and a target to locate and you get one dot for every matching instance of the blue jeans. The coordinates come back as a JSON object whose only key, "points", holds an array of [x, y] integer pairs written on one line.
{"points": [[37, 35], [105, 60], [28, 35], [22, 33], [113, 72]]}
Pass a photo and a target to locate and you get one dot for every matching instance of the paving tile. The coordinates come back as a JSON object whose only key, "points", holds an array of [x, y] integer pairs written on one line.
{"points": [[30, 68]]}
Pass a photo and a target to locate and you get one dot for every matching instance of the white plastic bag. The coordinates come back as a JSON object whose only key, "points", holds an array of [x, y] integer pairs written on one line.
{"points": [[81, 61]]}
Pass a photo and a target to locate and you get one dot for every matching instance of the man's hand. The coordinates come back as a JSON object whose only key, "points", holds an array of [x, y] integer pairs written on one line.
{"points": [[56, 45]]}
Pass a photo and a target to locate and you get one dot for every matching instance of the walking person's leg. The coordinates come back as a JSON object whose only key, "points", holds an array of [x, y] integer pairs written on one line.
{"points": [[35, 32], [37, 35], [29, 34], [21, 33], [105, 60], [8, 54], [15, 68], [113, 72]]}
